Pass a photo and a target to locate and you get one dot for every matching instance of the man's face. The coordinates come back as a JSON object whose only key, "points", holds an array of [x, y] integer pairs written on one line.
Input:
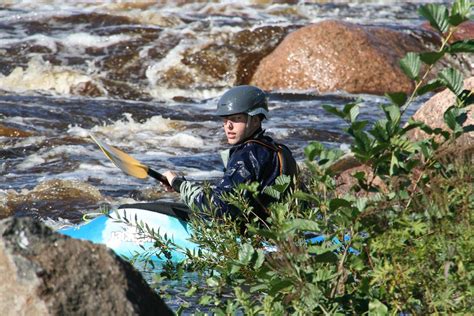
{"points": [[235, 127]]}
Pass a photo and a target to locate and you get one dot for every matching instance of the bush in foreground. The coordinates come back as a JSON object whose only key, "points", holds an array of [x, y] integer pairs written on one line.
{"points": [[401, 240]]}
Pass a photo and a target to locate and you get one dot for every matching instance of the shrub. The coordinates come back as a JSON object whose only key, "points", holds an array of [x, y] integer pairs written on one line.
{"points": [[405, 246]]}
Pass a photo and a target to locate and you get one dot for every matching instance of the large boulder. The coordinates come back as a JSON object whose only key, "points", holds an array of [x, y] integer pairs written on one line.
{"points": [[335, 55], [431, 113], [44, 273]]}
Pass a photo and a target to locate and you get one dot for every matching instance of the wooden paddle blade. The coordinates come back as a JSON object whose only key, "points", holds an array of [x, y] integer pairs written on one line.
{"points": [[125, 162]]}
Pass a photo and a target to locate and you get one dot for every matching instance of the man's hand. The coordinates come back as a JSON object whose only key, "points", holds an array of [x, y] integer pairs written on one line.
{"points": [[170, 175]]}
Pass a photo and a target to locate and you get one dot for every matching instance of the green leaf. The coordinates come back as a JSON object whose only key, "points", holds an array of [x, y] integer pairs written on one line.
{"points": [[212, 282], [245, 253], [430, 86], [362, 140], [453, 79], [205, 300], [282, 182], [466, 98], [334, 110], [460, 12], [334, 204], [262, 232], [376, 307], [313, 150], [392, 112], [279, 285], [359, 125], [411, 65], [235, 268], [451, 118], [303, 196], [351, 111], [327, 256], [258, 288], [430, 58], [191, 291], [271, 191], [411, 124], [403, 143], [456, 19], [361, 204], [466, 46], [437, 15], [260, 259], [303, 225], [397, 98], [379, 131], [393, 164]]}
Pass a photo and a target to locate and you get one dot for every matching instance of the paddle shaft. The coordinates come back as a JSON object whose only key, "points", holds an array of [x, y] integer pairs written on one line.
{"points": [[158, 176]]}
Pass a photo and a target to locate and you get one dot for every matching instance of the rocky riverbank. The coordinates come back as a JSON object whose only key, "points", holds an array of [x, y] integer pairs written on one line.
{"points": [[45, 273]]}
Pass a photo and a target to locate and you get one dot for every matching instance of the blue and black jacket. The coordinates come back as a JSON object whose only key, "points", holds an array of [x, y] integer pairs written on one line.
{"points": [[258, 159]]}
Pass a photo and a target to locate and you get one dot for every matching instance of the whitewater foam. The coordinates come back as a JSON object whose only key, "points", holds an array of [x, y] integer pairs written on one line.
{"points": [[41, 75]]}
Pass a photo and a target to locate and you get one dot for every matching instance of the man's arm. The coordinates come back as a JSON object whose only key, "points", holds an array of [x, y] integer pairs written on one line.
{"points": [[241, 169]]}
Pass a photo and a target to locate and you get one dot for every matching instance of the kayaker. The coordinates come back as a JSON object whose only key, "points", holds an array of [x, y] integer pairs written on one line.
{"points": [[253, 156]]}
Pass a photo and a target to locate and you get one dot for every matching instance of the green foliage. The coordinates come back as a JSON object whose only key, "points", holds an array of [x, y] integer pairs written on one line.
{"points": [[466, 46], [411, 65], [452, 78], [399, 242]]}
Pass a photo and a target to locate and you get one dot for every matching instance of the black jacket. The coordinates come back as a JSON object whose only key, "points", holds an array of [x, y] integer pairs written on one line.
{"points": [[258, 159]]}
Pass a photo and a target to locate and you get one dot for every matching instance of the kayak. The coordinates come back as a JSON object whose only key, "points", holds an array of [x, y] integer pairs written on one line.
{"points": [[166, 218]]}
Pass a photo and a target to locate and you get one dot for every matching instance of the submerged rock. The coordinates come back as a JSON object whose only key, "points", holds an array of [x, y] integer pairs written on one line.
{"points": [[44, 273], [334, 55], [56, 197], [6, 131]]}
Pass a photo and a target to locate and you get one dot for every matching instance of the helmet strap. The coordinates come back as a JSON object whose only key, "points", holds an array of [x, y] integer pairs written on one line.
{"points": [[247, 126]]}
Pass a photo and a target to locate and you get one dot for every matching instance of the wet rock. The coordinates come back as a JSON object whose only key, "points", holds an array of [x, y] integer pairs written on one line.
{"points": [[44, 273], [123, 90], [156, 192], [228, 60], [334, 55], [431, 113], [463, 62], [6, 131], [58, 198], [254, 46], [92, 20], [87, 88], [345, 181], [464, 31], [346, 162]]}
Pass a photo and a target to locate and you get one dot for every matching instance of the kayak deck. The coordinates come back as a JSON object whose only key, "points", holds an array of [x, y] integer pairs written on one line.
{"points": [[165, 218]]}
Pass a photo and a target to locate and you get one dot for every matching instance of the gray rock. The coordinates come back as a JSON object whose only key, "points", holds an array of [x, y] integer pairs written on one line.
{"points": [[45, 273]]}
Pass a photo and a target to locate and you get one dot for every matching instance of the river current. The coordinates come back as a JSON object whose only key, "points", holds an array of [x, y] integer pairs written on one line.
{"points": [[145, 78]]}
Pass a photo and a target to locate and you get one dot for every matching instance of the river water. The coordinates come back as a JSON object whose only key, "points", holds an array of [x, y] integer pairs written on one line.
{"points": [[145, 78]]}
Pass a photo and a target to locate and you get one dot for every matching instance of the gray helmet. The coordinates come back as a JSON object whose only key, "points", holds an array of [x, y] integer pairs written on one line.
{"points": [[243, 99]]}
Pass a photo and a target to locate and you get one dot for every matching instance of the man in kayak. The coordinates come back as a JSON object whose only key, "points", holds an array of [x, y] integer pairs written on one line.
{"points": [[253, 157]]}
